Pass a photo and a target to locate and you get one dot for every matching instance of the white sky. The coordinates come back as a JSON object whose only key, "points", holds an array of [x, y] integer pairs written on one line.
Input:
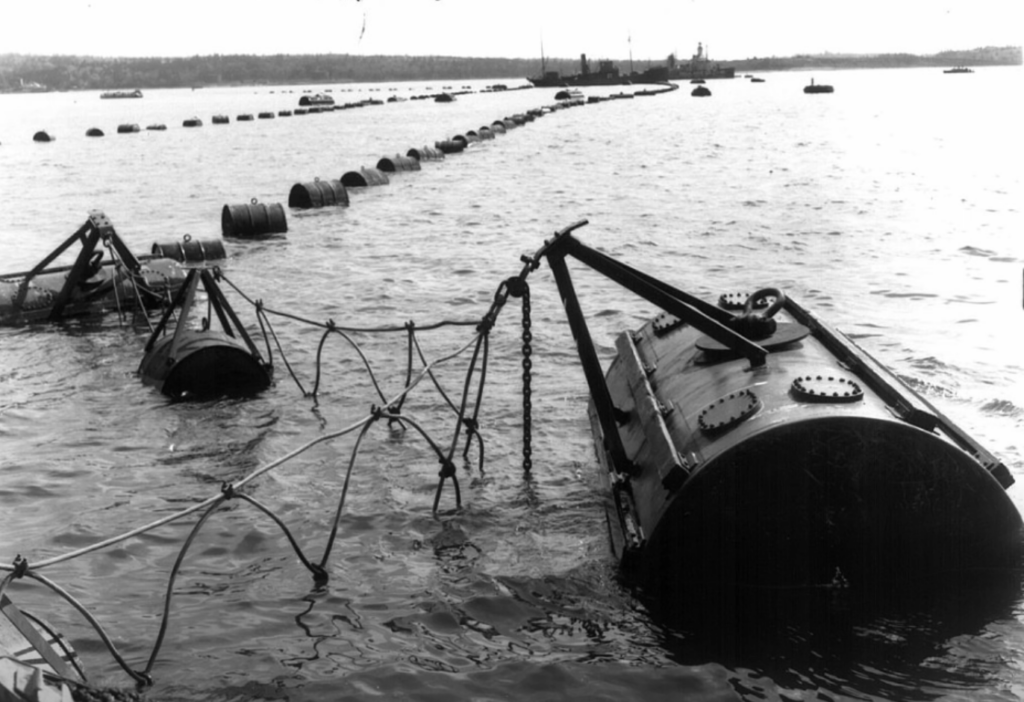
{"points": [[730, 29]]}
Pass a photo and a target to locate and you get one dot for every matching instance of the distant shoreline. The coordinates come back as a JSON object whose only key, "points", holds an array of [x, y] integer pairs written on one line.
{"points": [[23, 73]]}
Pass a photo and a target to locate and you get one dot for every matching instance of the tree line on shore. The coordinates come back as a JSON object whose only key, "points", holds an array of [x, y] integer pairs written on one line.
{"points": [[99, 73]]}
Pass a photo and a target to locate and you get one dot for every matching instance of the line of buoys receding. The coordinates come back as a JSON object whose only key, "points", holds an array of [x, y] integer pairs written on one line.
{"points": [[396, 163], [252, 220], [364, 177], [94, 132], [425, 153], [221, 119], [127, 128], [193, 122], [43, 136], [190, 250], [319, 193]]}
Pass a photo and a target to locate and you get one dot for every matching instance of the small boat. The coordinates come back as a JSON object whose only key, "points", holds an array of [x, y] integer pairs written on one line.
{"points": [[746, 443], [120, 94], [959, 69], [317, 99], [813, 88], [36, 662]]}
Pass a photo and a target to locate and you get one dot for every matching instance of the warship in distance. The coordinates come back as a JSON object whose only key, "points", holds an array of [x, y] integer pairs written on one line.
{"points": [[607, 73], [698, 67]]}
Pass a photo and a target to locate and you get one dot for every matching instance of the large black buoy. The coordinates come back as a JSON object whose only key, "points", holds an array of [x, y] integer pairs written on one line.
{"points": [[254, 220], [364, 177], [393, 164], [319, 193], [426, 153], [43, 136], [198, 362]]}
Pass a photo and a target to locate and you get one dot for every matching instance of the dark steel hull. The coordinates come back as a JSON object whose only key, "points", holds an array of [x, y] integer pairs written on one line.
{"points": [[743, 475]]}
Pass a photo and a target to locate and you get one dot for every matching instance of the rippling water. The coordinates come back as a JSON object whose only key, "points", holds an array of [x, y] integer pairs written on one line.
{"points": [[891, 207]]}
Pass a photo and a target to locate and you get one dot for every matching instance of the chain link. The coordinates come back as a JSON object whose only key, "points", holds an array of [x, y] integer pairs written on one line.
{"points": [[527, 375]]}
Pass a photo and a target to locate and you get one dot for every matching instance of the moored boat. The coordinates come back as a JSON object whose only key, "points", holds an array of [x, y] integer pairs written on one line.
{"points": [[121, 94], [748, 443], [818, 88]]}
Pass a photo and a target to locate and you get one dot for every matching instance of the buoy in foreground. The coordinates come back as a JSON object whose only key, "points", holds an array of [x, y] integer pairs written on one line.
{"points": [[198, 362]]}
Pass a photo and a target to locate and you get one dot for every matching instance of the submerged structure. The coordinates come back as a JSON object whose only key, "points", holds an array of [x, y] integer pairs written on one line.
{"points": [[91, 284], [747, 442]]}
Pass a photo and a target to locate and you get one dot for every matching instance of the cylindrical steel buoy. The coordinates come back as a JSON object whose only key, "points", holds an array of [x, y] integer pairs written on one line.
{"points": [[450, 146], [253, 220], [426, 153], [205, 364], [498, 127], [266, 115], [43, 136], [485, 133], [398, 163], [364, 177], [192, 122], [221, 119], [157, 127], [127, 128], [189, 250], [284, 113], [94, 132], [319, 193], [246, 117]]}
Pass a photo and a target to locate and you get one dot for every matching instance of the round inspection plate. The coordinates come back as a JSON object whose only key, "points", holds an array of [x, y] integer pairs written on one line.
{"points": [[728, 411], [826, 388]]}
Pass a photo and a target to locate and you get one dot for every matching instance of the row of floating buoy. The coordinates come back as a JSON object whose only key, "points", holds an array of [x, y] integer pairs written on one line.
{"points": [[192, 122], [257, 220]]}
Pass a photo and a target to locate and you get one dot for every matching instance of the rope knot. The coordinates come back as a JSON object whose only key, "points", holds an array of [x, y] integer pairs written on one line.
{"points": [[517, 286], [331, 325], [20, 567], [410, 325], [227, 490], [376, 412], [472, 426], [447, 469], [259, 305]]}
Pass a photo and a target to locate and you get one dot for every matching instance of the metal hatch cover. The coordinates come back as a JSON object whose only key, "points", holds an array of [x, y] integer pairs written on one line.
{"points": [[822, 388], [728, 411]]}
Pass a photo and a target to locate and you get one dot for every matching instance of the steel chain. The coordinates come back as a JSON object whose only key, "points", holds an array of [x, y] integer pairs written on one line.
{"points": [[527, 375]]}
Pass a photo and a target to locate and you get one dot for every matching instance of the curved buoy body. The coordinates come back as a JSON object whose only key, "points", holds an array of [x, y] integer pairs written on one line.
{"points": [[284, 113], [127, 128], [364, 177], [426, 153], [498, 127], [253, 220], [246, 117], [221, 119], [94, 132], [397, 163], [43, 136], [189, 250], [450, 146], [206, 364], [193, 122], [266, 115], [701, 91], [106, 287], [319, 193], [484, 133]]}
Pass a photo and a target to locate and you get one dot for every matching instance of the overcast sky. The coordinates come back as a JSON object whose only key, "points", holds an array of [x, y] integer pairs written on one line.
{"points": [[650, 29]]}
